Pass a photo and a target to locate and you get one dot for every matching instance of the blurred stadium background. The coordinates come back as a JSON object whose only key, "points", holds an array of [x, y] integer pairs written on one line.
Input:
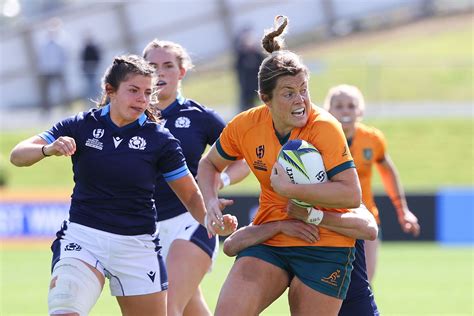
{"points": [[412, 59]]}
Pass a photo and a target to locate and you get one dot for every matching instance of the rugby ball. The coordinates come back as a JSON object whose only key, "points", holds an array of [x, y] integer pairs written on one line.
{"points": [[303, 164]]}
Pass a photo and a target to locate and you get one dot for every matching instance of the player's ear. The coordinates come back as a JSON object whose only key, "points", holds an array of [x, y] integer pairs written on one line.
{"points": [[265, 98], [182, 73], [109, 89], [360, 114]]}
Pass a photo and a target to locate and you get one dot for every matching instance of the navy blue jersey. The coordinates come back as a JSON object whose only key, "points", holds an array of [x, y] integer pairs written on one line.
{"points": [[359, 299], [115, 170], [196, 127]]}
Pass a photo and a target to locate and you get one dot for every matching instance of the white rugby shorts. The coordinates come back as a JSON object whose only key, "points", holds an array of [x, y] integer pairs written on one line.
{"points": [[132, 264], [185, 227]]}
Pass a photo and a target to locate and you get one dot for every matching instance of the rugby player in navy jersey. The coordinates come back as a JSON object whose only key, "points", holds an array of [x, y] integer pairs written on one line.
{"points": [[117, 151], [186, 249]]}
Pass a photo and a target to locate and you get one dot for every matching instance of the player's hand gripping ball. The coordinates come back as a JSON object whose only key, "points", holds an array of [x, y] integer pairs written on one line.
{"points": [[303, 164]]}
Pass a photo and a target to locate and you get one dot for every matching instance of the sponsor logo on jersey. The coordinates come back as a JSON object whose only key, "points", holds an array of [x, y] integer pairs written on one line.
{"points": [[260, 165], [98, 133], [332, 278], [95, 142], [151, 275], [72, 247], [137, 142], [117, 141], [182, 122]]}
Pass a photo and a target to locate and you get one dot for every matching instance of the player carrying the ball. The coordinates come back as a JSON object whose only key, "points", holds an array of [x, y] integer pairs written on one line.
{"points": [[317, 271]]}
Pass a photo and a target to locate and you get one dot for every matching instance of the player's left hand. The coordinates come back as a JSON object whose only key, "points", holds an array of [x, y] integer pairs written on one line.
{"points": [[409, 222], [230, 225], [279, 180]]}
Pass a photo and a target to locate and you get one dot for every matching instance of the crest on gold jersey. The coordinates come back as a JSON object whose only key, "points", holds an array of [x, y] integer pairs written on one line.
{"points": [[260, 151], [368, 153]]}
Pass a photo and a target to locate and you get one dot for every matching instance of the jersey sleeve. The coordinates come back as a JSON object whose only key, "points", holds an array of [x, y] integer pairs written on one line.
{"points": [[380, 146], [228, 145], [332, 144], [65, 127], [172, 163], [215, 125]]}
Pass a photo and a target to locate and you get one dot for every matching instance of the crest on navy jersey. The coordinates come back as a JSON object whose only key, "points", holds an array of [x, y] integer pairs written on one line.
{"points": [[182, 122], [137, 142], [95, 142], [98, 132], [368, 153]]}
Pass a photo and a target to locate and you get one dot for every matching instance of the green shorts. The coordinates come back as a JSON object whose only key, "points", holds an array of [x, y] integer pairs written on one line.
{"points": [[324, 269]]}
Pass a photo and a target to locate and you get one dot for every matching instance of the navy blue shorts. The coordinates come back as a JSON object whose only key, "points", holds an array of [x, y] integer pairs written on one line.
{"points": [[360, 299]]}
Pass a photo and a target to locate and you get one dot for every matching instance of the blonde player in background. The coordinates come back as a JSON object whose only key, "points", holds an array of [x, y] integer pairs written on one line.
{"points": [[368, 148]]}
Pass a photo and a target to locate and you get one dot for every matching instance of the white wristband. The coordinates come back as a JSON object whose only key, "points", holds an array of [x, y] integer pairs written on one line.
{"points": [[225, 179], [315, 216]]}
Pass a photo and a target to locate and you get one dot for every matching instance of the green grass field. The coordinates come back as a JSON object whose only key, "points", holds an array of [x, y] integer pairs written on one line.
{"points": [[412, 279]]}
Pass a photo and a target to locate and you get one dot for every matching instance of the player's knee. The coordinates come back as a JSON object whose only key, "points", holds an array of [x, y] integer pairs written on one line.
{"points": [[74, 287]]}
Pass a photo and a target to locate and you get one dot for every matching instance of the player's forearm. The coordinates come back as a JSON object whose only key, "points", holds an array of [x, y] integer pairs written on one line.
{"points": [[358, 224], [328, 194], [27, 152], [195, 205], [237, 171], [188, 193], [208, 179], [248, 236], [392, 184]]}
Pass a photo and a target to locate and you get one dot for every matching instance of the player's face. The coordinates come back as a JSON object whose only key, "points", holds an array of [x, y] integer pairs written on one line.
{"points": [[130, 100], [168, 71], [345, 109], [291, 103]]}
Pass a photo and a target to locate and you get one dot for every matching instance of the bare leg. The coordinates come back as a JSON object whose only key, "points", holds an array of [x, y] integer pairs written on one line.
{"points": [[197, 305], [186, 264], [150, 304], [306, 301], [251, 286], [371, 255]]}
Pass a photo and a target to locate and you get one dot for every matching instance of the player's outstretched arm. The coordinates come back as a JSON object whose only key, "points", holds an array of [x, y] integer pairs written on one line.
{"points": [[392, 184], [359, 223], [188, 192], [208, 177], [33, 149], [255, 234]]}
